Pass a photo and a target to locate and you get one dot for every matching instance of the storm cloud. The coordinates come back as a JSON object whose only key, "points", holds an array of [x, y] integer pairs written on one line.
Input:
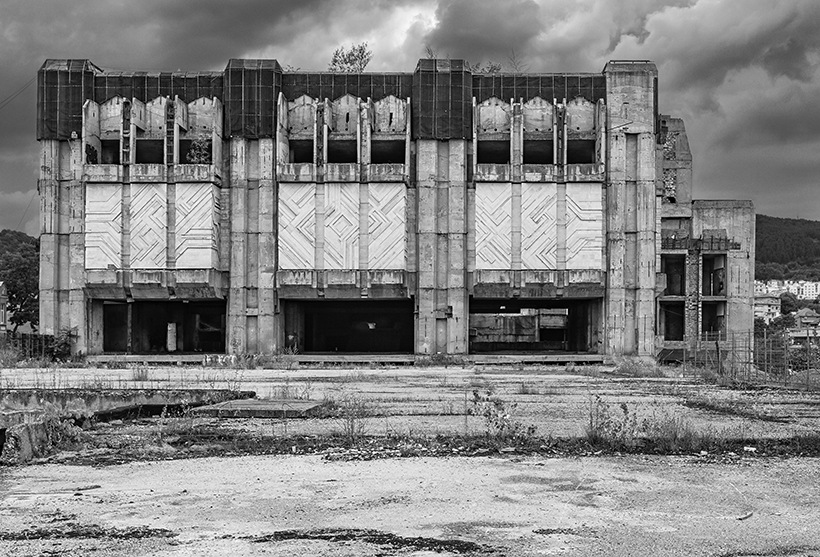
{"points": [[745, 76]]}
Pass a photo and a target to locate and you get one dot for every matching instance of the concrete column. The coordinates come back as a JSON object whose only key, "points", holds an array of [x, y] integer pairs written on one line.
{"points": [[268, 325], [631, 209], [442, 321], [238, 184]]}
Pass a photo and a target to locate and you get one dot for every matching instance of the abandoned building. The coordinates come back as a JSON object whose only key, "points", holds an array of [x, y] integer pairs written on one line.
{"points": [[434, 212]]}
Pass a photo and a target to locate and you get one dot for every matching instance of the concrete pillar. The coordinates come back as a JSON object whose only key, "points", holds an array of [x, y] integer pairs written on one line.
{"points": [[441, 325], [238, 184], [631, 208]]}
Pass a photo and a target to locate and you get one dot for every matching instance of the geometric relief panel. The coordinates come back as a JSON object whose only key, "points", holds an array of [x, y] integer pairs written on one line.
{"points": [[103, 226], [387, 234], [148, 226], [297, 226], [197, 223], [341, 226], [538, 225], [585, 222], [493, 226]]}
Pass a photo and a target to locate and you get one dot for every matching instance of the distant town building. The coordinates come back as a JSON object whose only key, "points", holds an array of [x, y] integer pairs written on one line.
{"points": [[767, 308]]}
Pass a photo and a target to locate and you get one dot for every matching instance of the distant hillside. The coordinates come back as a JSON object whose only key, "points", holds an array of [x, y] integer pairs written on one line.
{"points": [[787, 249]]}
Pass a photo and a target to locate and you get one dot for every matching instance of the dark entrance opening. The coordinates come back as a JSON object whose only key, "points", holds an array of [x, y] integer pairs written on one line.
{"points": [[150, 151], [361, 326], [151, 327], [110, 151], [516, 325]]}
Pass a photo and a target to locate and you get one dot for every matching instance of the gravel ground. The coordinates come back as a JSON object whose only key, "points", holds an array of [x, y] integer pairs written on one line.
{"points": [[303, 505]]}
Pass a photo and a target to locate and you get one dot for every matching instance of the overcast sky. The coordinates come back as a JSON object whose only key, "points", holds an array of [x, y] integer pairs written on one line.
{"points": [[744, 75]]}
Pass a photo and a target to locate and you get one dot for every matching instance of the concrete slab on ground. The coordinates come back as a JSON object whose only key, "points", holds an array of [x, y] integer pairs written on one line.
{"points": [[256, 408]]}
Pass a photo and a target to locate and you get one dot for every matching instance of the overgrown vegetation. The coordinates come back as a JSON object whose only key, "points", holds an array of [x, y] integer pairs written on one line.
{"points": [[20, 271], [500, 423], [350, 60]]}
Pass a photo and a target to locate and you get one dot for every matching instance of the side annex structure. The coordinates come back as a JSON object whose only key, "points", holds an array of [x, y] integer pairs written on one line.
{"points": [[255, 210]]}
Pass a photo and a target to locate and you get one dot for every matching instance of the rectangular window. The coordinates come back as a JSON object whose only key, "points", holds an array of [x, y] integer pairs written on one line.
{"points": [[674, 266], [713, 278], [110, 151], [387, 152], [150, 151], [581, 151], [538, 152], [301, 151], [672, 320], [493, 152], [342, 151]]}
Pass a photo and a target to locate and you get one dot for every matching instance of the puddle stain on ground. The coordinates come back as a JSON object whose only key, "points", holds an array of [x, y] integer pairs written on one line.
{"points": [[376, 537]]}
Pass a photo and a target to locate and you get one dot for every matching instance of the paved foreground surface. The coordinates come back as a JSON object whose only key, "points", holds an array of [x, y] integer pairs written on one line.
{"points": [[634, 505]]}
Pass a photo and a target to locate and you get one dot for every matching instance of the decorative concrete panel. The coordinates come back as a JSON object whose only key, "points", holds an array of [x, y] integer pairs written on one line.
{"points": [[585, 218], [493, 228], [387, 229], [103, 226], [297, 226], [148, 226], [197, 226], [538, 226], [341, 226]]}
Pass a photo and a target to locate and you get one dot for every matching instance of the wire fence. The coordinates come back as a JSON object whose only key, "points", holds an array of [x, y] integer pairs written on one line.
{"points": [[784, 358], [28, 345]]}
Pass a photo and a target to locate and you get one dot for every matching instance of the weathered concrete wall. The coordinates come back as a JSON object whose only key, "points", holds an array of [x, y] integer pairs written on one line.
{"points": [[441, 188], [631, 208]]}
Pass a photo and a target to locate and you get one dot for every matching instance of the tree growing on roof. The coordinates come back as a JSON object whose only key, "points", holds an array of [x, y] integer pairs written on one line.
{"points": [[350, 60]]}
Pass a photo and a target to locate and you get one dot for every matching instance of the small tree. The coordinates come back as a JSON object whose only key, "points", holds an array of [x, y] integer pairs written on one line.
{"points": [[352, 60], [788, 303], [20, 270], [200, 151]]}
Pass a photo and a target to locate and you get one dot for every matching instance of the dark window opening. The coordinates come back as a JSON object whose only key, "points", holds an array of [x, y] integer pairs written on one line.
{"points": [[342, 151], [713, 278], [580, 151], [493, 152], [538, 152], [384, 326], [110, 151], [301, 151], [387, 152], [712, 318], [150, 151], [672, 320], [674, 266], [2, 440]]}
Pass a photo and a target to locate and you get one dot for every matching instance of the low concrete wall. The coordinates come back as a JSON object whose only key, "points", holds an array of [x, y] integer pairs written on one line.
{"points": [[82, 403]]}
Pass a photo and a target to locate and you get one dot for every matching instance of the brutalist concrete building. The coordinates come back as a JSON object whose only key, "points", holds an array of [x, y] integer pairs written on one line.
{"points": [[434, 212]]}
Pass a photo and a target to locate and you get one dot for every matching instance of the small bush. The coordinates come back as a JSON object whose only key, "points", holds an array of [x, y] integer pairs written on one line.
{"points": [[612, 429], [353, 414], [499, 421], [9, 357]]}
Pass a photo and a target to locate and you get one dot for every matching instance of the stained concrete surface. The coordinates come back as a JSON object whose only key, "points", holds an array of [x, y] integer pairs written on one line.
{"points": [[507, 506]]}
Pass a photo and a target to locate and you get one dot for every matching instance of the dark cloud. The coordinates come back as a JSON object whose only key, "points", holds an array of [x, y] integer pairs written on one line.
{"points": [[743, 75], [480, 30]]}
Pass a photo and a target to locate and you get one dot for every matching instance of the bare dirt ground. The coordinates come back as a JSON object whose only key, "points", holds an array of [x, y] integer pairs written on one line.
{"points": [[165, 485]]}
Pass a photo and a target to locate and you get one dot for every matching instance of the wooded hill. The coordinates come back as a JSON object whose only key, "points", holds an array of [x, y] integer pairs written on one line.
{"points": [[787, 249]]}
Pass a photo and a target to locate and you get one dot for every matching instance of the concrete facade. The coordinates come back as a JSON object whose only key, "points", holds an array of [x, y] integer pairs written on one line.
{"points": [[438, 212]]}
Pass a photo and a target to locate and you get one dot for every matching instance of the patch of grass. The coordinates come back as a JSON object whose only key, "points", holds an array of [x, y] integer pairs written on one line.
{"points": [[611, 428], [140, 374], [731, 408], [9, 357], [638, 367], [527, 388]]}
